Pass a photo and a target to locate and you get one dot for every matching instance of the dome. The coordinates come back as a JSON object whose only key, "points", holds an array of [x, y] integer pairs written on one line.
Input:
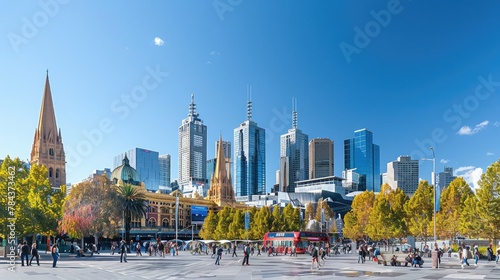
{"points": [[125, 174]]}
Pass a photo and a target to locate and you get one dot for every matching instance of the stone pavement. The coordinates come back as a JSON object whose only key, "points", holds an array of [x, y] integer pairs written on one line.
{"points": [[187, 266]]}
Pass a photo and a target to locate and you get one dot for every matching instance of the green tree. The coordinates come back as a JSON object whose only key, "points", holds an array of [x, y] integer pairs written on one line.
{"points": [[397, 200], [419, 211], [277, 219], [488, 202], [14, 204], [209, 227], [469, 223], [133, 205], [237, 226], [452, 202], [225, 219], [263, 222], [291, 218]]}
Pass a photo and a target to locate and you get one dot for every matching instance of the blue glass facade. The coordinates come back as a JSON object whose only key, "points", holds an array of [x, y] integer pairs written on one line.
{"points": [[249, 176], [146, 163], [360, 153], [294, 159]]}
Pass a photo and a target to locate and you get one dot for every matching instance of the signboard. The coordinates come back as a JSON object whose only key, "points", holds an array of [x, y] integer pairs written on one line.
{"points": [[198, 214], [247, 220]]}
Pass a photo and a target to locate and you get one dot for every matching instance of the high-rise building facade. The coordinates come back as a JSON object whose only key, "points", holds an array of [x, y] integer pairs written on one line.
{"points": [[146, 163], [192, 150], [164, 167], [249, 157], [320, 158], [294, 156], [403, 173], [362, 155], [444, 178], [48, 149]]}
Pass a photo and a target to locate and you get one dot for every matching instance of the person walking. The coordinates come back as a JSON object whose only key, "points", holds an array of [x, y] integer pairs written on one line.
{"points": [[55, 254], [465, 253], [34, 254], [25, 251], [219, 256], [123, 251], [490, 253], [314, 254], [246, 254], [138, 249], [476, 254], [234, 250]]}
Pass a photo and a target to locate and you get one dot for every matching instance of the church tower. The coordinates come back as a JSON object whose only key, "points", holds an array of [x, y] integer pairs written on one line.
{"points": [[221, 191], [47, 146]]}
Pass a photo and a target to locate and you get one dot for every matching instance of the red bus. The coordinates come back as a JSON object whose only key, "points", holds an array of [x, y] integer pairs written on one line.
{"points": [[299, 239]]}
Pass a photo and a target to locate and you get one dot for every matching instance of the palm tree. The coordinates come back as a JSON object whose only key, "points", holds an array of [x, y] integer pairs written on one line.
{"points": [[133, 203]]}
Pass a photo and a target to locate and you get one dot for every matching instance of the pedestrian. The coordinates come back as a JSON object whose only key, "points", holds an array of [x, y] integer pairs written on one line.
{"points": [[476, 254], [214, 251], [219, 256], [55, 254], [34, 254], [95, 249], [138, 249], [498, 255], [465, 254], [361, 259], [258, 249], [25, 251], [123, 251], [246, 254], [113, 248], [490, 253], [234, 250], [314, 254]]}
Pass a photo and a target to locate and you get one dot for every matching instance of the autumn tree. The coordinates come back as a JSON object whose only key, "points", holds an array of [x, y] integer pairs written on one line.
{"points": [[102, 195], [419, 211], [291, 218], [397, 200], [308, 214], [379, 223], [225, 219], [356, 220], [277, 219], [263, 222], [237, 226], [488, 202], [77, 222], [452, 206]]}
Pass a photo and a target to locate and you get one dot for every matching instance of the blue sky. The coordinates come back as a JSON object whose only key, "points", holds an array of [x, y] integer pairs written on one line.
{"points": [[421, 73]]}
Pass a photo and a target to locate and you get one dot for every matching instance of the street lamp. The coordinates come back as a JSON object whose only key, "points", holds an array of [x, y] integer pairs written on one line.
{"points": [[434, 188]]}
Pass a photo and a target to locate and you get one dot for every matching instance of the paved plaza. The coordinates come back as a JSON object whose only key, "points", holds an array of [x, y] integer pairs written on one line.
{"points": [[187, 266]]}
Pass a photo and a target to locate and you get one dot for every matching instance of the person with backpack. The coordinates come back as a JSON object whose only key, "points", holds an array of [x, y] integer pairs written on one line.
{"points": [[246, 254], [219, 256], [315, 255]]}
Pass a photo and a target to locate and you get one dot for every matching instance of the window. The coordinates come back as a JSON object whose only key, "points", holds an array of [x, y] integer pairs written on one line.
{"points": [[152, 222], [50, 172], [51, 152], [57, 173], [165, 223]]}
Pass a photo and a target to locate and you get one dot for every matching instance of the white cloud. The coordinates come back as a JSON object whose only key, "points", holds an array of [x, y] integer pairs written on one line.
{"points": [[490, 154], [471, 175], [214, 53], [496, 124], [158, 41], [466, 130], [444, 161]]}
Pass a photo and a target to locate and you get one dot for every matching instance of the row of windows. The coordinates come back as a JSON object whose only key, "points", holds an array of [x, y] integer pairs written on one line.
{"points": [[51, 172]]}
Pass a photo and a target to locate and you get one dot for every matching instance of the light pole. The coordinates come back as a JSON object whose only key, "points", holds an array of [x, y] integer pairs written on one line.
{"points": [[434, 188]]}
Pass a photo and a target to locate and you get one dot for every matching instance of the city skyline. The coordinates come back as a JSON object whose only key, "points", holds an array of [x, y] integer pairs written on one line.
{"points": [[406, 82]]}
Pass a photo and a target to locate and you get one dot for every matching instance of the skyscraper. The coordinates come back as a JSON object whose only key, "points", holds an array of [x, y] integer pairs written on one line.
{"points": [[249, 157], [294, 155], [444, 178], [164, 168], [403, 174], [145, 162], [320, 158], [47, 146], [362, 155], [192, 150]]}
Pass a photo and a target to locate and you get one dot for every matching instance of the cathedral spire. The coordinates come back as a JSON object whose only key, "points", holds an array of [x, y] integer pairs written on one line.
{"points": [[47, 126], [220, 167]]}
